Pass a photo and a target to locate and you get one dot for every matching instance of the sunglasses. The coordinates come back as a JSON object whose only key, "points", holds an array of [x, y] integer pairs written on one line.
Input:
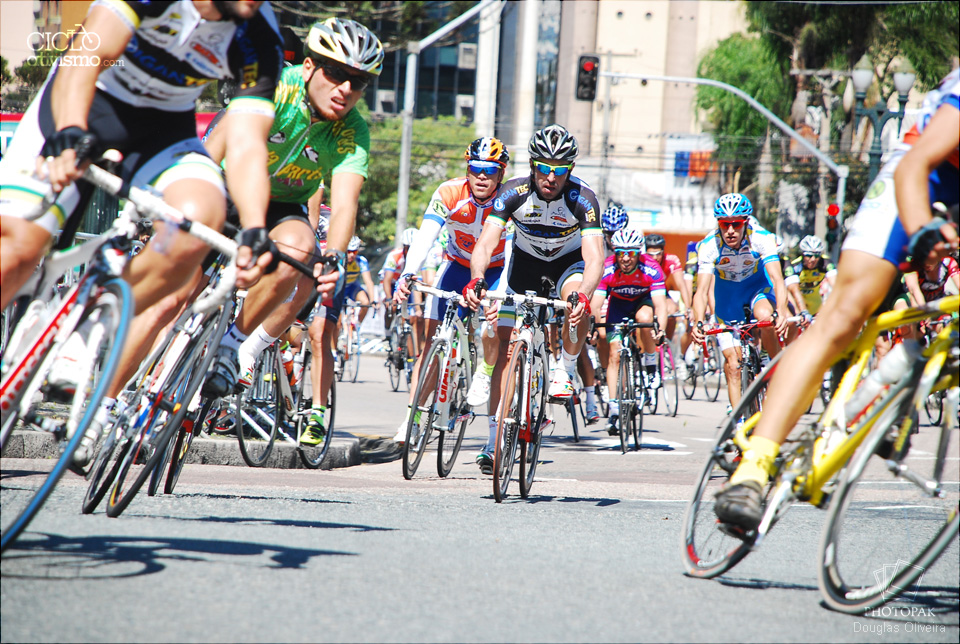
{"points": [[654, 251], [557, 170], [736, 224], [811, 256], [629, 252], [488, 171], [338, 76]]}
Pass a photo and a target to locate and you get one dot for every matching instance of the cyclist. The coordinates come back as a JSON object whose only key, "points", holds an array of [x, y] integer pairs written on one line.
{"points": [[926, 285], [806, 275], [672, 269], [318, 133], [549, 207], [741, 257], [82, 110], [613, 219], [635, 284], [921, 171], [388, 276], [462, 205]]}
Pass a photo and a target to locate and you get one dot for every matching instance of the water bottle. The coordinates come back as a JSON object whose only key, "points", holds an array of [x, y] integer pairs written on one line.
{"points": [[297, 367], [286, 357], [892, 368]]}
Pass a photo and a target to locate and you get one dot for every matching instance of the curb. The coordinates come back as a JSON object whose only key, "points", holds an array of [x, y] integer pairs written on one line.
{"points": [[344, 452]]}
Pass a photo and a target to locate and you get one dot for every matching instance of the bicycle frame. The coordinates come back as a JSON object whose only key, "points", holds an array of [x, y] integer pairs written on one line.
{"points": [[805, 476]]}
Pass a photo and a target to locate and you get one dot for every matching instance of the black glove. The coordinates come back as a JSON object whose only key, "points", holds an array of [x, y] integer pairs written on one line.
{"points": [[74, 138], [921, 243], [259, 242]]}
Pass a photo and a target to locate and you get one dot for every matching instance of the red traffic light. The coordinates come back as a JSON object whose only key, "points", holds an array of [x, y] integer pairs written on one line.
{"points": [[833, 210], [589, 66]]}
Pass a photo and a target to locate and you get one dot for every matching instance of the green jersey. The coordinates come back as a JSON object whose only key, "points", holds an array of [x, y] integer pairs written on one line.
{"points": [[302, 156]]}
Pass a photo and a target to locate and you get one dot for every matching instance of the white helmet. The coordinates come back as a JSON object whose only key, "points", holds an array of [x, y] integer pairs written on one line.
{"points": [[553, 142], [407, 237], [354, 243], [629, 238], [812, 245], [346, 42]]}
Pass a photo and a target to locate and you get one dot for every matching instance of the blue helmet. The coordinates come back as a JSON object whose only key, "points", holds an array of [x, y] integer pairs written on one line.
{"points": [[732, 205], [613, 219]]}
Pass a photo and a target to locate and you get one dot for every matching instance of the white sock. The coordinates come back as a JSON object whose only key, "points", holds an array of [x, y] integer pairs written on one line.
{"points": [[649, 359], [255, 343], [614, 408], [569, 362], [691, 353], [591, 396], [492, 438], [233, 338]]}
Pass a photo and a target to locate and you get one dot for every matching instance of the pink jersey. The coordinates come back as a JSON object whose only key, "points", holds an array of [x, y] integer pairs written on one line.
{"points": [[670, 265], [647, 278]]}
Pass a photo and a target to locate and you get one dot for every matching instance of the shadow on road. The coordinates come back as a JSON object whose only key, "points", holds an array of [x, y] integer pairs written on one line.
{"points": [[268, 521], [49, 556]]}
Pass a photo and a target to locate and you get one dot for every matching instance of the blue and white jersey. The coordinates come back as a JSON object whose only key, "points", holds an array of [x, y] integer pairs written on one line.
{"points": [[759, 247]]}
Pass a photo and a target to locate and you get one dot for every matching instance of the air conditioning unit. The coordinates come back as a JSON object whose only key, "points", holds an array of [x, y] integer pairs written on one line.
{"points": [[464, 109], [467, 55], [386, 101]]}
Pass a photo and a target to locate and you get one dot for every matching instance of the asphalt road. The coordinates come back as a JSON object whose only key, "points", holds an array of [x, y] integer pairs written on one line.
{"points": [[360, 554]]}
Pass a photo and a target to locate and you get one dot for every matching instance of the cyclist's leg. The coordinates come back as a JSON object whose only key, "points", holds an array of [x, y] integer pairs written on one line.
{"points": [[644, 314], [364, 301], [23, 245], [731, 367], [672, 308], [763, 305]]}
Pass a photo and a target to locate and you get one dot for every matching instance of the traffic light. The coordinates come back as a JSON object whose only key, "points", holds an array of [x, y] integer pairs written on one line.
{"points": [[833, 224], [587, 73]]}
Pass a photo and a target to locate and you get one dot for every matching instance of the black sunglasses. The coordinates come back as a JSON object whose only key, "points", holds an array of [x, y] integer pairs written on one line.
{"points": [[338, 76]]}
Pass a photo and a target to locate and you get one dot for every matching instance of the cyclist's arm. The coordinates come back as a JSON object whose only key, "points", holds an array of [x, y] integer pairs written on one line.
{"points": [[780, 292], [483, 251], [422, 242], [935, 145], [345, 197], [914, 292], [679, 280], [313, 207], [368, 284], [659, 299], [700, 301], [793, 289], [75, 85], [591, 247]]}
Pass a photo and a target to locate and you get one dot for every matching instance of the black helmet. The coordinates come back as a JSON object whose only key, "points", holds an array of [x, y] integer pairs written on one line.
{"points": [[656, 241]]}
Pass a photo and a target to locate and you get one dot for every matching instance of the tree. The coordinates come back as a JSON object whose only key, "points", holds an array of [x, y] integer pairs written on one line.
{"points": [[5, 76], [748, 64], [34, 70]]}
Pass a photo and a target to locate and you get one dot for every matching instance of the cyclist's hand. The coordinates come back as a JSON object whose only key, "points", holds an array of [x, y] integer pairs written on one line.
{"points": [[581, 309], [660, 337], [697, 332], [404, 286], [255, 256], [330, 274], [64, 156], [807, 319], [491, 314], [474, 291], [780, 320]]}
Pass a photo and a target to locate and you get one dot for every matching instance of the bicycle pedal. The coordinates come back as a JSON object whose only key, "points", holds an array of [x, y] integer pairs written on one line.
{"points": [[747, 536]]}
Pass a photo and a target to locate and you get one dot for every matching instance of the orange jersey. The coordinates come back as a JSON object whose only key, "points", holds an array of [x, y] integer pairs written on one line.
{"points": [[453, 205]]}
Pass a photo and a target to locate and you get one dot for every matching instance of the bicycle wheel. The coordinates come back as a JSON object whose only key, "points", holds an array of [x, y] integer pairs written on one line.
{"points": [[111, 451], [933, 405], [257, 410], [573, 411], [530, 449], [427, 407], [690, 382], [651, 397], [352, 366], [713, 374], [450, 440], [891, 516], [626, 396], [668, 380], [710, 548], [508, 426], [312, 456], [101, 328], [181, 446]]}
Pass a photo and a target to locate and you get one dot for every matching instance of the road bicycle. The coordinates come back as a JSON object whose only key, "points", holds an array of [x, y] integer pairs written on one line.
{"points": [[524, 399], [630, 391], [92, 318], [348, 343], [399, 361], [707, 368], [442, 385], [860, 463], [276, 408]]}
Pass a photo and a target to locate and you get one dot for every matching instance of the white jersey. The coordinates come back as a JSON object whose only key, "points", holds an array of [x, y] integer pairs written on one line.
{"points": [[737, 265]]}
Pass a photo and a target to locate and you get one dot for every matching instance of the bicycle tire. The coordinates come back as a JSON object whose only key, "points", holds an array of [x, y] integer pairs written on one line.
{"points": [[651, 397], [690, 382], [450, 441], [626, 393], [668, 380], [854, 573], [425, 408], [572, 410], [167, 409], [713, 372], [313, 456], [113, 305], [530, 449], [933, 406], [110, 454], [353, 364], [707, 549], [257, 409], [181, 447], [508, 425]]}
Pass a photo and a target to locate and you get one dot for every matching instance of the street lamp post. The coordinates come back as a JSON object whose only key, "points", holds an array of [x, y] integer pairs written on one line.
{"points": [[879, 114]]}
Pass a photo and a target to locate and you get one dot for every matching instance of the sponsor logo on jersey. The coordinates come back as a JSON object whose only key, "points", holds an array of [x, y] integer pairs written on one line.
{"points": [[249, 75], [723, 261], [559, 218], [877, 189], [311, 154], [206, 53], [463, 215], [277, 137], [346, 138]]}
